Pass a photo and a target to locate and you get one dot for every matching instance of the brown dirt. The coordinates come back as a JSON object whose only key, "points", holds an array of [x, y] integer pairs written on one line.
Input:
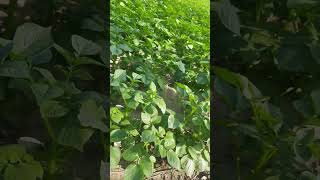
{"points": [[167, 174]]}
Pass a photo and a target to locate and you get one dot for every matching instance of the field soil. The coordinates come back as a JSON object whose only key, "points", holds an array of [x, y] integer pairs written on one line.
{"points": [[160, 173]]}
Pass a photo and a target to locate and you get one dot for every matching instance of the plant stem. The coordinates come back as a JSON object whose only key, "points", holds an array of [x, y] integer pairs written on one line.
{"points": [[52, 150], [238, 168], [13, 4], [105, 146]]}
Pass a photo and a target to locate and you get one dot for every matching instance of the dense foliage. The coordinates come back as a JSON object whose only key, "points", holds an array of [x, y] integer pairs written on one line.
{"points": [[266, 73], [159, 86], [50, 92]]}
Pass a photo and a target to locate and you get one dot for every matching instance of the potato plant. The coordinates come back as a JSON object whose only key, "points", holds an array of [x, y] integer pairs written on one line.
{"points": [[49, 92], [266, 74], [160, 96]]}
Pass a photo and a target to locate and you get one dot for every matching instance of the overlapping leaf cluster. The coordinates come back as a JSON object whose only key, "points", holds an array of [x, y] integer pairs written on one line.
{"points": [[269, 53], [50, 80], [159, 86]]}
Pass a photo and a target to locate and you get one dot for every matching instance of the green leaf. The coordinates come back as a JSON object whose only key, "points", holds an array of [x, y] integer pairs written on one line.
{"points": [[84, 46], [133, 152], [169, 141], [248, 89], [133, 172], [115, 50], [206, 155], [161, 104], [88, 61], [148, 136], [5, 51], [81, 74], [202, 79], [315, 149], [153, 87], [181, 66], [156, 119], [273, 177], [192, 152], [173, 159], [15, 69], [115, 156], [69, 88], [228, 15], [12, 153], [26, 141], [145, 117], [152, 159], [289, 57], [24, 171], [306, 175], [31, 39], [93, 24], [161, 131], [136, 76], [303, 137], [116, 114], [74, 136], [315, 96], [46, 74], [52, 109], [173, 122], [117, 135], [68, 56], [120, 74], [125, 47], [315, 52], [91, 115], [147, 166], [138, 97], [42, 57], [297, 3], [44, 93], [202, 164], [189, 167], [181, 149], [162, 151]]}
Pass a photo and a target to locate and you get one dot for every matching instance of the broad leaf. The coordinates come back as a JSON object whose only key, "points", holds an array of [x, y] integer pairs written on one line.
{"points": [[91, 115], [297, 3], [133, 152], [52, 109], [31, 39], [84, 46], [173, 159], [190, 167], [148, 136], [145, 117], [147, 166], [173, 122], [228, 15], [47, 75], [24, 171], [115, 155], [74, 136], [169, 141], [161, 104], [133, 172], [116, 114], [117, 135], [15, 69], [181, 66]]}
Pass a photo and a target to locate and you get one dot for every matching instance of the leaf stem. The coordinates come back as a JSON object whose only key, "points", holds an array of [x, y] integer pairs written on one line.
{"points": [[52, 150]]}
